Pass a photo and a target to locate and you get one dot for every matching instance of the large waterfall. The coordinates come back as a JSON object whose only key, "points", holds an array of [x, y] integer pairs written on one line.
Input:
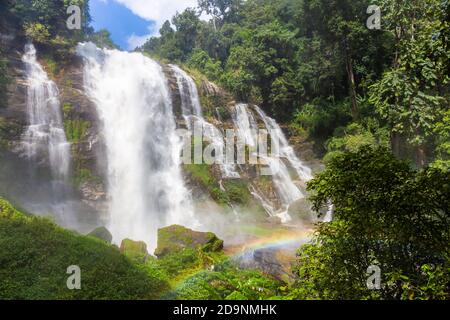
{"points": [[44, 139], [146, 187]]}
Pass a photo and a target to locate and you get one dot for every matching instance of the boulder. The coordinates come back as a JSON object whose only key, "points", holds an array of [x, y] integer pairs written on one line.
{"points": [[176, 238], [101, 233], [134, 249]]}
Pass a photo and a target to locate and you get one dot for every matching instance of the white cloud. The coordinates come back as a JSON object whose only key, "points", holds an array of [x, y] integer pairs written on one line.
{"points": [[135, 41], [156, 10]]}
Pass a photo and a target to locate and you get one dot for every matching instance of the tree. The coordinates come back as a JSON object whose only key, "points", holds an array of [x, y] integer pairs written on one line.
{"points": [[186, 24], [413, 93], [218, 9], [386, 214], [102, 39]]}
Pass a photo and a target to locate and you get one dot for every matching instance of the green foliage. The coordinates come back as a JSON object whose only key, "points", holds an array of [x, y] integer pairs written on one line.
{"points": [[237, 191], [442, 132], [386, 214], [321, 116], [413, 93], [203, 175], [356, 136], [76, 129], [37, 32], [44, 23], [102, 39], [202, 61], [316, 62], [226, 282], [36, 253]]}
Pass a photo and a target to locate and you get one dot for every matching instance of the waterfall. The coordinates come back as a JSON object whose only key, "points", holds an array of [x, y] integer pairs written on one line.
{"points": [[193, 114], [287, 190], [190, 99], [285, 149], [145, 183], [45, 138], [246, 125]]}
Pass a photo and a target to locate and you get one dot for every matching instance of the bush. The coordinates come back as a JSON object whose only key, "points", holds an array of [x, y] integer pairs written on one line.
{"points": [[321, 117], [386, 214]]}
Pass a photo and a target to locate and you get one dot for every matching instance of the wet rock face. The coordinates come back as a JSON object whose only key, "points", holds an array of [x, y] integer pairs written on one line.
{"points": [[175, 93], [13, 111], [176, 238], [269, 260], [80, 114]]}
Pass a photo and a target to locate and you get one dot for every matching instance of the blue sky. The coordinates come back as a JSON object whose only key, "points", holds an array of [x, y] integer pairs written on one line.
{"points": [[131, 22]]}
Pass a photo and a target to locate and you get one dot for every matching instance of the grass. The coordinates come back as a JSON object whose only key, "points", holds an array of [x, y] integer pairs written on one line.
{"points": [[36, 254]]}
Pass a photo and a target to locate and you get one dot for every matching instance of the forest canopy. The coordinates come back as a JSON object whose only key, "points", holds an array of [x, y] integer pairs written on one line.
{"points": [[315, 64]]}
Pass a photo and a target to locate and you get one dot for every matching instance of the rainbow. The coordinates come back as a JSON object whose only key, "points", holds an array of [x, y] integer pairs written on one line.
{"points": [[289, 239]]}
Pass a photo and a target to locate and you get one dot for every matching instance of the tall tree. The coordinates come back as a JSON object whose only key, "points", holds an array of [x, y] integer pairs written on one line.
{"points": [[414, 93]]}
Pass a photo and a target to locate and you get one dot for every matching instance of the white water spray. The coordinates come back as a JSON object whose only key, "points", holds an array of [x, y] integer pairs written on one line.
{"points": [[146, 187]]}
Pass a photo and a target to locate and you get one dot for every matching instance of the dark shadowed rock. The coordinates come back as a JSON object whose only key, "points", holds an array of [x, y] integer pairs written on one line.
{"points": [[102, 233], [176, 238]]}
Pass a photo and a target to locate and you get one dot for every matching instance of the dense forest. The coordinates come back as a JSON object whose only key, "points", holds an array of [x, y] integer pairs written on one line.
{"points": [[375, 103], [367, 97], [315, 65]]}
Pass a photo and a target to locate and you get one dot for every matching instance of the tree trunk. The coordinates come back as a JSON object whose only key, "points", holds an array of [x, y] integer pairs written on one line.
{"points": [[396, 144], [421, 157], [351, 83]]}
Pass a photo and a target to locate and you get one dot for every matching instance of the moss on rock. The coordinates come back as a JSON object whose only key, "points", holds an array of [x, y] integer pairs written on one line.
{"points": [[176, 238], [134, 249], [101, 233]]}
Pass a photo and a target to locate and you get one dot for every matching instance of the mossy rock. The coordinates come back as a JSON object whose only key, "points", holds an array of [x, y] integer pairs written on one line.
{"points": [[134, 249], [102, 233], [177, 238]]}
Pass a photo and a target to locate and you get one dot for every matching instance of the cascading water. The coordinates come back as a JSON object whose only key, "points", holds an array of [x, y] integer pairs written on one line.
{"points": [[146, 187], [192, 112], [44, 144], [287, 190], [45, 138], [285, 149], [190, 99], [246, 125]]}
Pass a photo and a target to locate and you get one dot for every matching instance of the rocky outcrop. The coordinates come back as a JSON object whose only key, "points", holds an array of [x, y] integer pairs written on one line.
{"points": [[134, 249], [81, 121], [13, 116], [101, 233], [176, 238], [83, 128]]}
